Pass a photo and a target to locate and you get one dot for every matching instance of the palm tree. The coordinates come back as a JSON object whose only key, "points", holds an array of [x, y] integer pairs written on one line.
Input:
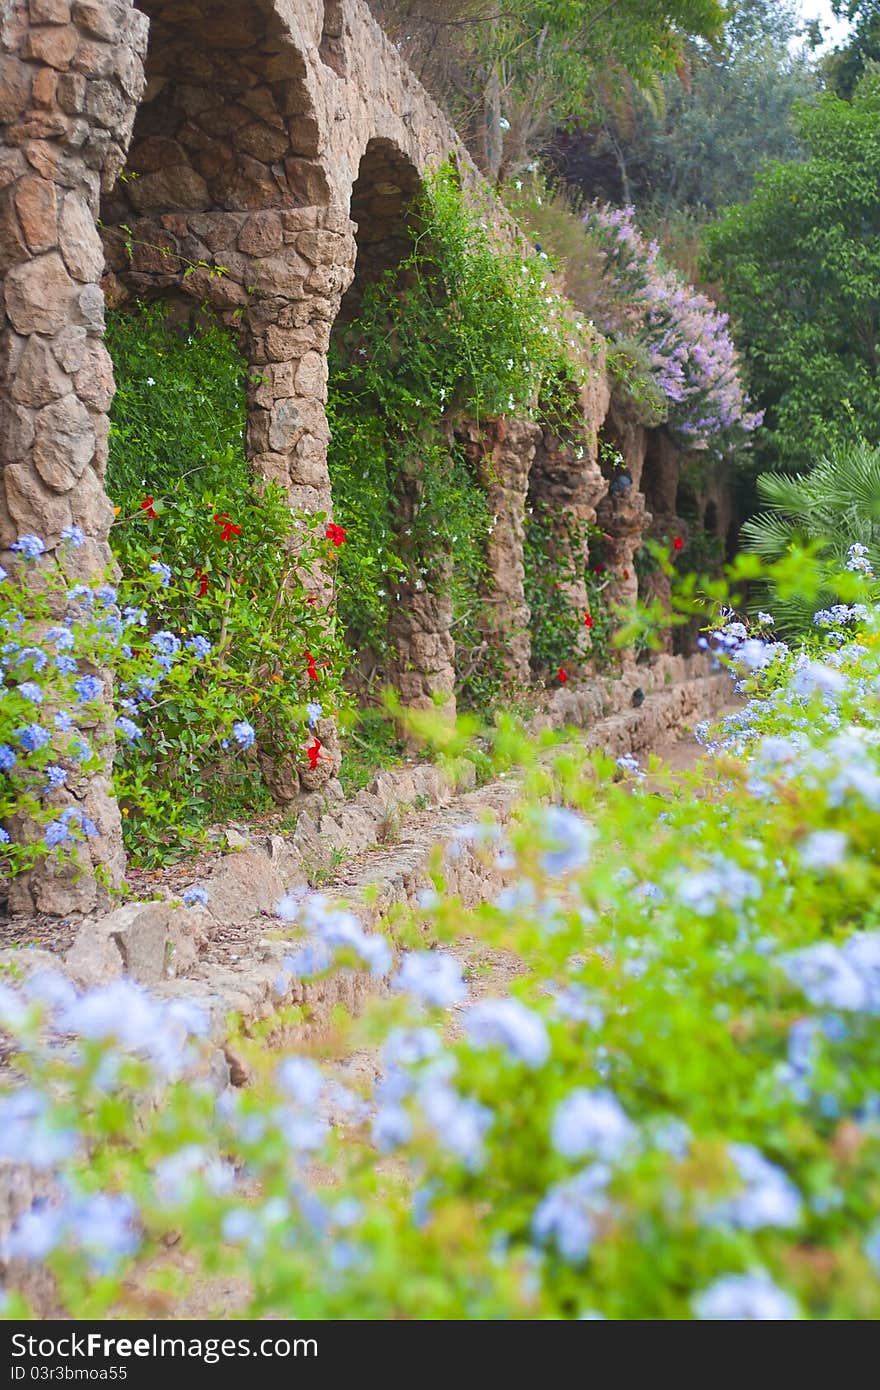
{"points": [[834, 506]]}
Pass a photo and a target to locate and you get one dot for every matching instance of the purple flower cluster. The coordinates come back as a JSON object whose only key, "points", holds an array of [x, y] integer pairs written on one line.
{"points": [[691, 355]]}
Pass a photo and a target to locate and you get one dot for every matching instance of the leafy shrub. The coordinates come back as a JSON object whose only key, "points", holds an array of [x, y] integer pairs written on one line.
{"points": [[834, 507], [205, 548], [560, 633], [673, 1113], [61, 635]]}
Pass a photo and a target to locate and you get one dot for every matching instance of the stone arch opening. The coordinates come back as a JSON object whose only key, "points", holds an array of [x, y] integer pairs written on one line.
{"points": [[410, 580], [622, 514]]}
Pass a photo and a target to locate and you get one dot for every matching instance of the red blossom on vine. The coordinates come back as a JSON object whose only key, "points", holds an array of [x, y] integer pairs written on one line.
{"points": [[588, 620], [335, 534], [311, 667], [562, 675], [147, 506], [314, 753], [677, 543], [228, 531]]}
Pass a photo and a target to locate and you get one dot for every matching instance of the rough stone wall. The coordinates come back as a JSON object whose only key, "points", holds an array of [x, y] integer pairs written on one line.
{"points": [[269, 151], [71, 75]]}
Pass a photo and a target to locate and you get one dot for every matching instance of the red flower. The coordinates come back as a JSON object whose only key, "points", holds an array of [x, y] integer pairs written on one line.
{"points": [[599, 569], [626, 574], [677, 543], [312, 598], [228, 532], [202, 579], [147, 506], [562, 675], [314, 752], [588, 620], [310, 665], [335, 534]]}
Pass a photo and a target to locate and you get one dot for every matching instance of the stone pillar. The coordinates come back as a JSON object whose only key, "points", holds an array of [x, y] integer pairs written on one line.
{"points": [[660, 475], [502, 452], [622, 513], [422, 665], [566, 482], [71, 75], [302, 262]]}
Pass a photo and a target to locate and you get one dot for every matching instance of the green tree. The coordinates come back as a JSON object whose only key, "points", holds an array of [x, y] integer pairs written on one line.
{"points": [[694, 142], [846, 65], [511, 73], [800, 265]]}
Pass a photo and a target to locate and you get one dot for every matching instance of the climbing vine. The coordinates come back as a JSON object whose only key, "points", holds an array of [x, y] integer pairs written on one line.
{"points": [[462, 328]]}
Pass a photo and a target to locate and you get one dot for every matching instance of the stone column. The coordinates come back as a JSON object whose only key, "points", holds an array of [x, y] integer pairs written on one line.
{"points": [[622, 513], [567, 483], [422, 665], [502, 452], [71, 75], [302, 262]]}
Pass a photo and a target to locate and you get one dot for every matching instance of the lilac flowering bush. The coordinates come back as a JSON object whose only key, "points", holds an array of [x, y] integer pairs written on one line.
{"points": [[642, 1082], [670, 334]]}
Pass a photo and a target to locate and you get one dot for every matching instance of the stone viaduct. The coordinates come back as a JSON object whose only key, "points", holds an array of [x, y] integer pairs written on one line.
{"points": [[281, 140]]}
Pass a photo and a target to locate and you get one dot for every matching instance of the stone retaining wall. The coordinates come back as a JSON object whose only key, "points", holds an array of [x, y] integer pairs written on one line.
{"points": [[259, 158]]}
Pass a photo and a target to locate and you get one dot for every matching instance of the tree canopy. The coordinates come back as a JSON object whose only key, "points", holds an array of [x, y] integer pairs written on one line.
{"points": [[800, 264]]}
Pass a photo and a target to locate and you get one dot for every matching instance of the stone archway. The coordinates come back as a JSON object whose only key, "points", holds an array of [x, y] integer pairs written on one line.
{"points": [[421, 650]]}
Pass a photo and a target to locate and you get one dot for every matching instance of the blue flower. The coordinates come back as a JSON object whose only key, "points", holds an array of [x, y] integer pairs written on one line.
{"points": [[63, 721], [569, 1211], [591, 1122], [314, 712], [106, 594], [147, 686], [165, 642], [57, 777], [56, 833], [4, 574], [569, 838], [35, 655], [431, 976], [66, 665], [4, 836], [244, 734], [29, 546], [128, 729], [7, 758], [199, 646], [60, 637], [81, 593], [509, 1024], [31, 692], [195, 897], [164, 571], [134, 616], [745, 1298], [74, 535], [33, 737], [88, 688]]}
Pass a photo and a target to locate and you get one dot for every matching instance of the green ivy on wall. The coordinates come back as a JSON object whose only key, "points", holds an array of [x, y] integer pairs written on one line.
{"points": [[462, 328]]}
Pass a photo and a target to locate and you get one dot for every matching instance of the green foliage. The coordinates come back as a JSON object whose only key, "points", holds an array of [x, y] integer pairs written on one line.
{"points": [[800, 264], [511, 75], [832, 508], [695, 145], [463, 327], [845, 67], [240, 569], [663, 1106], [560, 636]]}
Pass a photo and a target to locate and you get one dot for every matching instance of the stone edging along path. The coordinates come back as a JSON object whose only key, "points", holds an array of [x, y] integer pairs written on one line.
{"points": [[227, 957]]}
